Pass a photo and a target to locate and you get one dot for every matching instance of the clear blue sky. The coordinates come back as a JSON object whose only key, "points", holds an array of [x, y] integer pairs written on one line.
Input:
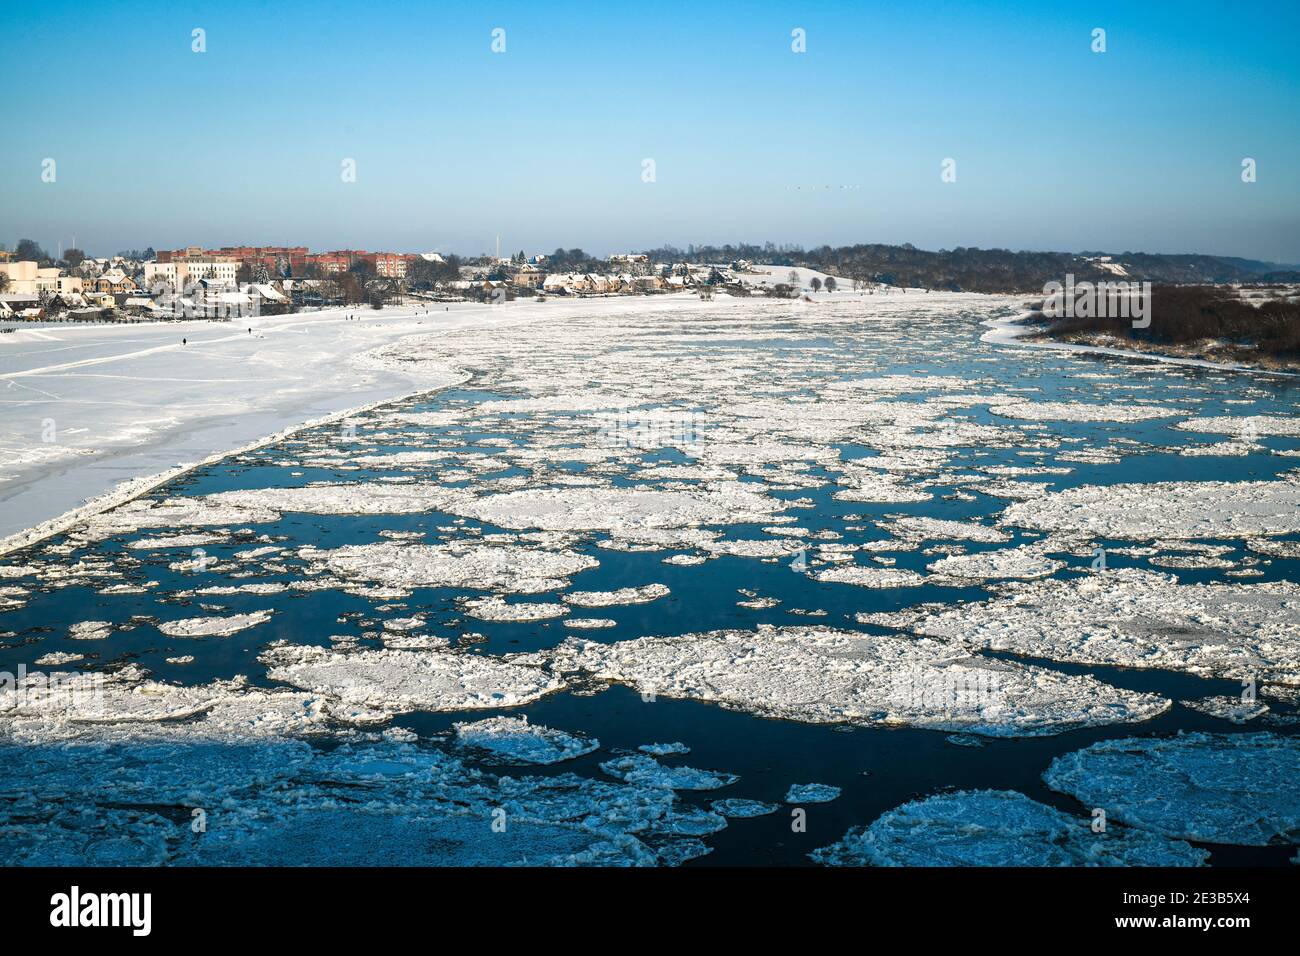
{"points": [[1138, 148]]}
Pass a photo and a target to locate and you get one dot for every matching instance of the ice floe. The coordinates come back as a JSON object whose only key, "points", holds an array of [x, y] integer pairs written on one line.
{"points": [[396, 681], [616, 509], [636, 595], [742, 809], [1244, 425], [820, 675], [1210, 788], [1027, 562], [482, 566], [1080, 412], [515, 740], [1135, 618], [638, 768], [811, 793], [1168, 509], [1234, 709], [213, 626], [998, 828]]}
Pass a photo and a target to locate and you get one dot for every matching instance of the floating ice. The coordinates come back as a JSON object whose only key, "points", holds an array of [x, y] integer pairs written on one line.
{"points": [[742, 809], [67, 706], [1274, 548], [1244, 425], [1168, 509], [396, 681], [646, 770], [997, 828], [1211, 788], [819, 675], [496, 609], [213, 626], [871, 577], [938, 529], [369, 498], [1136, 618], [1080, 412], [638, 595], [90, 630], [1234, 709], [515, 740], [811, 793], [1026, 562], [662, 750], [616, 509], [486, 567], [55, 658]]}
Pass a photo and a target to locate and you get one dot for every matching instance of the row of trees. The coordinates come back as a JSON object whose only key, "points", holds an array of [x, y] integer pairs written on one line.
{"points": [[1187, 314], [982, 270]]}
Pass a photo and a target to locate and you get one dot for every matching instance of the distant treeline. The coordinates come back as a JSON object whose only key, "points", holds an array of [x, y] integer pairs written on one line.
{"points": [[986, 270], [1188, 314]]}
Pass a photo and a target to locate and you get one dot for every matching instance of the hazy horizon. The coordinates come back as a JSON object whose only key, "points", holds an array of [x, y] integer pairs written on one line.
{"points": [[1057, 148]]}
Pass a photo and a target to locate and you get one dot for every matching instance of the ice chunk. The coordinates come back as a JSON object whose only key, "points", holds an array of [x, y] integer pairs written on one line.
{"points": [[646, 770], [866, 576], [998, 828], [638, 595], [811, 793], [661, 750], [616, 509], [1135, 618], [1244, 425], [396, 681], [1211, 788], [742, 809], [487, 567], [495, 609], [1080, 412], [1234, 709], [1025, 563], [213, 626], [1167, 509], [515, 740], [820, 675]]}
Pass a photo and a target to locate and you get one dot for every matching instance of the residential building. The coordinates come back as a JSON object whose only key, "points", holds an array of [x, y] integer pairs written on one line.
{"points": [[185, 269], [29, 278]]}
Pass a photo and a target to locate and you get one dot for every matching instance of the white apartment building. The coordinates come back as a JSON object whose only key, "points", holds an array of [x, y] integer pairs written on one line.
{"points": [[28, 278], [188, 269]]}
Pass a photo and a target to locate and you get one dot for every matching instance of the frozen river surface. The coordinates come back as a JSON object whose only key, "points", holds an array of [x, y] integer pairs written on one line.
{"points": [[702, 583]]}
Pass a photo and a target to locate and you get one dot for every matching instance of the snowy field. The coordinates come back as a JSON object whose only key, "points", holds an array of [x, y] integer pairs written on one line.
{"points": [[646, 583]]}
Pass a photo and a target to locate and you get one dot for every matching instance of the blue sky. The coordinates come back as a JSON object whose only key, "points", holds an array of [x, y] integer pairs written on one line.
{"points": [[1057, 147]]}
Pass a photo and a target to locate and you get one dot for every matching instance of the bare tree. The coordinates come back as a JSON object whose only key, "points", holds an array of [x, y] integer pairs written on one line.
{"points": [[830, 283], [816, 284]]}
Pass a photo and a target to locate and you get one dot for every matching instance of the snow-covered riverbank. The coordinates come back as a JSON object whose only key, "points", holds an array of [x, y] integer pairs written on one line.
{"points": [[1014, 331]]}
